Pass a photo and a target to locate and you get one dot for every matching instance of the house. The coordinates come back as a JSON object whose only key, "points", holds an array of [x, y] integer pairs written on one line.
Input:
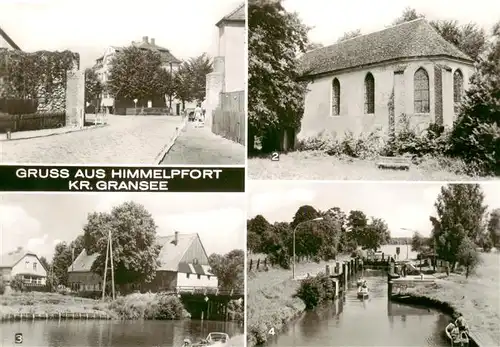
{"points": [[103, 67], [183, 262], [229, 72], [372, 81], [25, 264]]}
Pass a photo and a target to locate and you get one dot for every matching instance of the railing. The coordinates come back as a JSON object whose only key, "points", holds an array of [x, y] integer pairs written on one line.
{"points": [[207, 290]]}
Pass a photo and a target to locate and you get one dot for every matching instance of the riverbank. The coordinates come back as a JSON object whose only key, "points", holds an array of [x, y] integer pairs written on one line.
{"points": [[270, 308], [476, 298], [37, 305]]}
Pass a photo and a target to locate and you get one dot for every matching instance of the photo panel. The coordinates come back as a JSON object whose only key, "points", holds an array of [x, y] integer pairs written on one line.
{"points": [[165, 91], [372, 264], [108, 269], [359, 91]]}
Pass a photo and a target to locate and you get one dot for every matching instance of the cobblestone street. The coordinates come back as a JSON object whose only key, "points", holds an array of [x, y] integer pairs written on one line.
{"points": [[200, 146], [125, 140]]}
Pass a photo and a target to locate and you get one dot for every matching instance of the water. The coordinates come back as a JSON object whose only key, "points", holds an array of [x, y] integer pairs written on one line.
{"points": [[371, 322], [95, 333]]}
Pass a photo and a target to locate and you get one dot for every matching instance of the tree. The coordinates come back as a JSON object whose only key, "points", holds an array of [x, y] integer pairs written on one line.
{"points": [[199, 67], [183, 81], [375, 234], [275, 96], [304, 213], [135, 252], [476, 133], [93, 86], [356, 223], [45, 263], [349, 35], [135, 73], [468, 256], [418, 242], [256, 228], [229, 269], [494, 228], [167, 85], [408, 14], [460, 213], [64, 255]]}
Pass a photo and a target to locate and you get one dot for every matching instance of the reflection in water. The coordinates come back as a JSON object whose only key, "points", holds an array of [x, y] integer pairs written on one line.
{"points": [[374, 321], [76, 333]]}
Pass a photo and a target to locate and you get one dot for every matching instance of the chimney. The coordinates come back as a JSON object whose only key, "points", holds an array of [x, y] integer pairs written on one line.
{"points": [[176, 238], [145, 39], [152, 41]]}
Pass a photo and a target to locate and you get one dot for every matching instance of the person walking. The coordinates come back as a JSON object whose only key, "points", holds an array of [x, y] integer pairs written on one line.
{"points": [[198, 115]]}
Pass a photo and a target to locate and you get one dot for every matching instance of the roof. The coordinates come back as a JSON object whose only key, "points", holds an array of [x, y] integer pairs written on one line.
{"points": [[166, 56], [237, 15], [169, 258], [9, 40], [10, 259], [411, 39]]}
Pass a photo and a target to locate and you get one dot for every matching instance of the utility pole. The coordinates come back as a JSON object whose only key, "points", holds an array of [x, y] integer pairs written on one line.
{"points": [[109, 257]]}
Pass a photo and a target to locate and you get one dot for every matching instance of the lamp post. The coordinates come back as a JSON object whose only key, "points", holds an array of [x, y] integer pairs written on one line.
{"points": [[294, 230]]}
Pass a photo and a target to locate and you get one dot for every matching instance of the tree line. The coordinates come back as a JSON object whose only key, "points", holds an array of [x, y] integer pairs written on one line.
{"points": [[277, 38], [319, 235], [142, 75], [135, 250], [461, 225]]}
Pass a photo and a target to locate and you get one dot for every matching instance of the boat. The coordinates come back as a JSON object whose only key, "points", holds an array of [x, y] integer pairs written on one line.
{"points": [[213, 339], [461, 340], [363, 292]]}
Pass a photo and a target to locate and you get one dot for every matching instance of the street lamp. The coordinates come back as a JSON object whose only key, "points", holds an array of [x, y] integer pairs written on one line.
{"points": [[294, 230]]}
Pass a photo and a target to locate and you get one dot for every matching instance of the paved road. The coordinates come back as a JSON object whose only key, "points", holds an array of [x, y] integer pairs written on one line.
{"points": [[200, 146], [126, 140]]}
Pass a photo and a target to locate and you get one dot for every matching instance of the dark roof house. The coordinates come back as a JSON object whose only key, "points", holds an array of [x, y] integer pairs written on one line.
{"points": [[413, 39], [235, 16], [171, 258]]}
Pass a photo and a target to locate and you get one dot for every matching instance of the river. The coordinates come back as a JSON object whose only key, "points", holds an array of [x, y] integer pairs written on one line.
{"points": [[371, 322], [96, 333]]}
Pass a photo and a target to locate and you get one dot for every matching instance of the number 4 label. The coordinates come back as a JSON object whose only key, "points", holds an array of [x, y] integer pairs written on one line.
{"points": [[271, 331]]}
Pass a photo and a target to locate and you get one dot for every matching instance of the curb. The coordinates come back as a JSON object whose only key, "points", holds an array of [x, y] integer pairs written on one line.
{"points": [[168, 146], [91, 127]]}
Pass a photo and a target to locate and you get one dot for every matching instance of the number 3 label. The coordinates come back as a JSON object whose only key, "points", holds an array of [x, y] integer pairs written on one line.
{"points": [[18, 338], [271, 331]]}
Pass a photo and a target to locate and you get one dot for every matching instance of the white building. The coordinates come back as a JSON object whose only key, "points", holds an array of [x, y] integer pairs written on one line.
{"points": [[25, 264]]}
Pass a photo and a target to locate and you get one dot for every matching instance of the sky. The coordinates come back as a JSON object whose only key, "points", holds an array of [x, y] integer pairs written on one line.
{"points": [[401, 205], [185, 27], [331, 19], [39, 221]]}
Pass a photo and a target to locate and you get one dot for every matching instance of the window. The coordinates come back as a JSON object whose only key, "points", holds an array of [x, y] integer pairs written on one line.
{"points": [[369, 94], [199, 277], [34, 266], [335, 97], [27, 264], [208, 277], [187, 275], [458, 86], [421, 91]]}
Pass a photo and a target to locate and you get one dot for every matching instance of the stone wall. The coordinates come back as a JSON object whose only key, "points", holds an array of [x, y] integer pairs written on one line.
{"points": [[53, 101]]}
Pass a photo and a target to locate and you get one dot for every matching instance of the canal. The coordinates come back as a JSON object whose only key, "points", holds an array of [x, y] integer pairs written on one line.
{"points": [[371, 322], [95, 333]]}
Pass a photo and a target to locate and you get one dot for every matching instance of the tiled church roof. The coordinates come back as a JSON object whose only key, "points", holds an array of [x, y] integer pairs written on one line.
{"points": [[412, 39]]}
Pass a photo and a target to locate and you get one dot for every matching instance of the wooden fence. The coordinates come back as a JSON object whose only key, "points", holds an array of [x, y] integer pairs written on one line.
{"points": [[34, 121], [229, 117], [258, 264]]}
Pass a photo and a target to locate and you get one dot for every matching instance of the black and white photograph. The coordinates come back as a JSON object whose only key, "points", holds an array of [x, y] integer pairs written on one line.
{"points": [[113, 82], [113, 269], [385, 90], [373, 264]]}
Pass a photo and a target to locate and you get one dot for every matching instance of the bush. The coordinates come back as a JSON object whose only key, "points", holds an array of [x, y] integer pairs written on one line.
{"points": [[2, 286], [149, 306], [17, 283], [236, 311], [316, 290], [18, 106]]}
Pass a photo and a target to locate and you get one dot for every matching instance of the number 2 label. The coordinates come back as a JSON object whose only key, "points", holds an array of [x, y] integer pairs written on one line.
{"points": [[275, 156]]}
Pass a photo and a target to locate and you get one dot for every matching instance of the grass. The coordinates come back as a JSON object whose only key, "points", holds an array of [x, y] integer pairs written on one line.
{"points": [[298, 165], [133, 306], [476, 297], [270, 299]]}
